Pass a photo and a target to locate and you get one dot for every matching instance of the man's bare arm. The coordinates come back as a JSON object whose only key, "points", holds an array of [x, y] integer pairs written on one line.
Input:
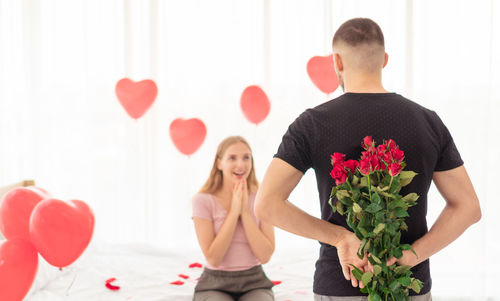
{"points": [[461, 211]]}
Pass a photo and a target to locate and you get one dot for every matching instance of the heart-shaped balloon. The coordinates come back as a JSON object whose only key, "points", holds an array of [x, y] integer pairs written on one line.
{"points": [[18, 266], [255, 104], [322, 73], [15, 211], [187, 134], [61, 231], [136, 97]]}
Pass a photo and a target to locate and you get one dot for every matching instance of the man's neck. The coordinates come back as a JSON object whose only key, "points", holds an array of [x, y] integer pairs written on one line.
{"points": [[364, 84]]}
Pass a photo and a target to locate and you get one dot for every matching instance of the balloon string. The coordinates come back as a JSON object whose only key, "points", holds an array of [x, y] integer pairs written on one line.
{"points": [[71, 284]]}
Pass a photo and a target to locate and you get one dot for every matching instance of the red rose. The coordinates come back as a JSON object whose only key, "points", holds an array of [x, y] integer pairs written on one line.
{"points": [[398, 154], [339, 174], [381, 149], [374, 163], [337, 158], [351, 165], [391, 144], [394, 169], [365, 155], [387, 158], [367, 142], [364, 166]]}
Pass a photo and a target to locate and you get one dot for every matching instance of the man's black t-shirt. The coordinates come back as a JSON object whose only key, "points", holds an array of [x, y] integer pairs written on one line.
{"points": [[340, 125]]}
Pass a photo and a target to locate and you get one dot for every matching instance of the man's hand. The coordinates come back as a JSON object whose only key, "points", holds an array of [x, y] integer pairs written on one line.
{"points": [[347, 249]]}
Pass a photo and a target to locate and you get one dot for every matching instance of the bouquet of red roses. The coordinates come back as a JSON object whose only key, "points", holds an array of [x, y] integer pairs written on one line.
{"points": [[367, 192]]}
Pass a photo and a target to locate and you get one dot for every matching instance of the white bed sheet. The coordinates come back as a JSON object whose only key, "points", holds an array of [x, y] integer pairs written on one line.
{"points": [[145, 272]]}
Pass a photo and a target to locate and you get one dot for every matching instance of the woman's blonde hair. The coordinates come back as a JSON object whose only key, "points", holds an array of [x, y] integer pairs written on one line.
{"points": [[214, 181]]}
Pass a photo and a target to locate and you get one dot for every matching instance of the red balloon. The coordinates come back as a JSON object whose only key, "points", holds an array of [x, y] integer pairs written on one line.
{"points": [[255, 104], [18, 266], [136, 97], [187, 134], [322, 73], [61, 231], [15, 211]]}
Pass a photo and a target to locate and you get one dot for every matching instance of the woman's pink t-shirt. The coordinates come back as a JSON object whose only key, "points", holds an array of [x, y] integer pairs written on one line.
{"points": [[239, 255]]}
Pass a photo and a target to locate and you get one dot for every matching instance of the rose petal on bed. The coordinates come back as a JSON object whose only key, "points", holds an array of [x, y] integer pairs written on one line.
{"points": [[276, 282], [195, 265], [178, 282], [112, 287], [110, 280], [183, 276]]}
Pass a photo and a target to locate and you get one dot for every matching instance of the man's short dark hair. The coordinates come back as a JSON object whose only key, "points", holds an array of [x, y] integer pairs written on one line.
{"points": [[359, 31]]}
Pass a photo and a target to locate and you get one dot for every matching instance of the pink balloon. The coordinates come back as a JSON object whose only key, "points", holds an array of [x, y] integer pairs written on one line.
{"points": [[15, 211], [322, 73], [61, 231], [255, 104], [136, 97], [18, 266], [187, 134]]}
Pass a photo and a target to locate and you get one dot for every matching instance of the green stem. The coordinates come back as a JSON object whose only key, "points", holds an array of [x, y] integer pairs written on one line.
{"points": [[390, 184], [369, 187], [349, 184]]}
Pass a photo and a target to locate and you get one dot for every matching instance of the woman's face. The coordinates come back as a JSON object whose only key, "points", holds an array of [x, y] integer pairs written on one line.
{"points": [[236, 162]]}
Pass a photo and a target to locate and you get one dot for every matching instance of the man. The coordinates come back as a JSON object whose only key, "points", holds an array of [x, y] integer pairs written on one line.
{"points": [[339, 125]]}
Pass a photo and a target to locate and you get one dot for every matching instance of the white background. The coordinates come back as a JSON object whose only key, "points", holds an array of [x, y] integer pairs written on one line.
{"points": [[61, 124]]}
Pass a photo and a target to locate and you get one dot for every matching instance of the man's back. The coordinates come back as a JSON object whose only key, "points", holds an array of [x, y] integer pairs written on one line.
{"points": [[338, 126]]}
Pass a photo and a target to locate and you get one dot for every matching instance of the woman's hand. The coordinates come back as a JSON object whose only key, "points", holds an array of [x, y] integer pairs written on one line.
{"points": [[236, 202], [244, 196]]}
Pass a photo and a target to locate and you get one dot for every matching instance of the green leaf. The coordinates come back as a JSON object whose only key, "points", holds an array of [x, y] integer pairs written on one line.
{"points": [[393, 227], [395, 188], [401, 269], [376, 198], [363, 182], [398, 253], [411, 197], [394, 286], [373, 208], [356, 193], [340, 208], [366, 278], [367, 247], [342, 193], [404, 226], [408, 247], [376, 259], [356, 272], [374, 297], [416, 285], [405, 281], [334, 191], [346, 201], [355, 180], [397, 203], [396, 239], [407, 177], [379, 228], [356, 208], [387, 195], [364, 221], [330, 202], [361, 253], [387, 241], [400, 212], [377, 269], [364, 232]]}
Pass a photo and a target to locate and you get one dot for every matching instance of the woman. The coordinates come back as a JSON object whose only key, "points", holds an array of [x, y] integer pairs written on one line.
{"points": [[235, 243]]}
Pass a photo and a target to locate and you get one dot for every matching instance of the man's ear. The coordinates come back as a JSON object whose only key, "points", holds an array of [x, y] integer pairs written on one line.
{"points": [[337, 61], [385, 60]]}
